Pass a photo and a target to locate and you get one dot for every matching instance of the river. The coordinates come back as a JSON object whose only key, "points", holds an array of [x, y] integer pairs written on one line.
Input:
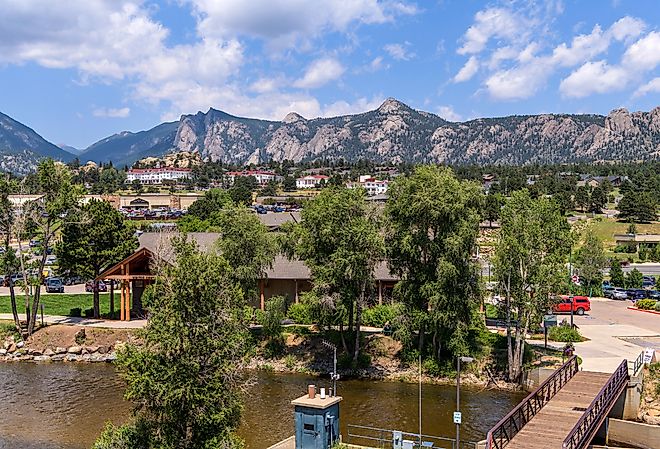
{"points": [[65, 406]]}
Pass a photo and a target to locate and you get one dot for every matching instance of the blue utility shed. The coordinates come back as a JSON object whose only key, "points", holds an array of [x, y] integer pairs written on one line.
{"points": [[317, 422]]}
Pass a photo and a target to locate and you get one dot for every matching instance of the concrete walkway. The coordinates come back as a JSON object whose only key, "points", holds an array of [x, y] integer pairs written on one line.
{"points": [[89, 322], [614, 333]]}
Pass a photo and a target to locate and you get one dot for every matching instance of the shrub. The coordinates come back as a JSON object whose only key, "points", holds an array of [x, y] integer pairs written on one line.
{"points": [[76, 312], [564, 334], [378, 315], [646, 304], [272, 326], [657, 306], [289, 362], [301, 313]]}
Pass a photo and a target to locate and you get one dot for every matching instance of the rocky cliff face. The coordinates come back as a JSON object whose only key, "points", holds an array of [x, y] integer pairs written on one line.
{"points": [[397, 133]]}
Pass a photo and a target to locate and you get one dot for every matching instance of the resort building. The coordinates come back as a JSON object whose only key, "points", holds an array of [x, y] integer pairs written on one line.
{"points": [[156, 176], [311, 181], [262, 177]]}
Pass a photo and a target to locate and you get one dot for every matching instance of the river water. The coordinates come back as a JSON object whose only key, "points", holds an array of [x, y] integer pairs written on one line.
{"points": [[65, 406]]}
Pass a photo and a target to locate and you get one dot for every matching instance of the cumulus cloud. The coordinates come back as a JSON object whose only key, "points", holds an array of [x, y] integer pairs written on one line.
{"points": [[399, 52], [492, 23], [518, 82], [319, 73], [645, 53], [468, 70], [594, 77], [448, 113], [652, 86], [112, 112], [360, 105], [286, 22]]}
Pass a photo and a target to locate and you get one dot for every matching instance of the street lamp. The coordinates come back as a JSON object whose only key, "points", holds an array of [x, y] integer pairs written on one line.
{"points": [[457, 413]]}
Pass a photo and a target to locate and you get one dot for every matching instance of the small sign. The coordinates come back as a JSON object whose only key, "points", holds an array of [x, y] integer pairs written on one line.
{"points": [[576, 279], [457, 417], [648, 355]]}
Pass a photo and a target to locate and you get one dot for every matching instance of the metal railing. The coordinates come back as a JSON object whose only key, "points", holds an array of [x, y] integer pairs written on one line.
{"points": [[593, 417], [638, 364], [386, 438], [504, 431]]}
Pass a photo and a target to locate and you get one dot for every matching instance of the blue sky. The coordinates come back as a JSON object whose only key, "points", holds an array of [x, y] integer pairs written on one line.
{"points": [[79, 70]]}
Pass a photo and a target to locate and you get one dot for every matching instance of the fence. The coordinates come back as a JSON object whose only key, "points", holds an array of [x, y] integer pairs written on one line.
{"points": [[375, 437]]}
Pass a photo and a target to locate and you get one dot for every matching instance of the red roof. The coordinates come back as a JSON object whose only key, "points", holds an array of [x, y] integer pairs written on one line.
{"points": [[158, 170], [250, 173]]}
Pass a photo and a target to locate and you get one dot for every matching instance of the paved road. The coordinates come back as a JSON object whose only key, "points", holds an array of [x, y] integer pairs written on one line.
{"points": [[614, 333], [73, 289]]}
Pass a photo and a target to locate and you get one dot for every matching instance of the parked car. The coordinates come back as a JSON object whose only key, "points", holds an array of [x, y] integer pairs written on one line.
{"points": [[607, 290], [619, 293], [51, 260], [579, 304], [35, 243], [648, 278], [89, 286], [54, 285], [635, 294], [73, 280], [653, 294]]}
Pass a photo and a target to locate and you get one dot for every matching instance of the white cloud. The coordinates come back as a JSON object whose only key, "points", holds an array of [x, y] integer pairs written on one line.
{"points": [[399, 51], [468, 70], [376, 64], [627, 27], [112, 112], [264, 85], [645, 53], [284, 23], [448, 113], [319, 73], [652, 86], [518, 82], [594, 77], [344, 108], [491, 23]]}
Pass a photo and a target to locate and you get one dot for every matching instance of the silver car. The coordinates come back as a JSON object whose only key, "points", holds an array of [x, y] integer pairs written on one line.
{"points": [[619, 294]]}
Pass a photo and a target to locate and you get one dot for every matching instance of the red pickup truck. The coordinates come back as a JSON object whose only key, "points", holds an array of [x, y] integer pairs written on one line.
{"points": [[580, 305]]}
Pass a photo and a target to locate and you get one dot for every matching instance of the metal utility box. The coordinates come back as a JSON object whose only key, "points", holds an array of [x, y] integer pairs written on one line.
{"points": [[317, 422], [549, 320]]}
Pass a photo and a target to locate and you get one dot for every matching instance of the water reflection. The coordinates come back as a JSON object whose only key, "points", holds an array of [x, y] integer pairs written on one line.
{"points": [[65, 406]]}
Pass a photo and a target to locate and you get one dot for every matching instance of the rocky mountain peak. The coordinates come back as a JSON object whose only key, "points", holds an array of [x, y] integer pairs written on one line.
{"points": [[620, 121], [293, 117], [392, 106]]}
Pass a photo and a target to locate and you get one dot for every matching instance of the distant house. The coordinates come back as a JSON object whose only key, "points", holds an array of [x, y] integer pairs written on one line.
{"points": [[311, 181], [596, 181], [372, 185], [157, 176], [262, 177]]}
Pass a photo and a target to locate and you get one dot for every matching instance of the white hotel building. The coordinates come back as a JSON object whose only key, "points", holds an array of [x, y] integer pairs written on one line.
{"points": [[156, 175], [372, 185], [262, 177]]}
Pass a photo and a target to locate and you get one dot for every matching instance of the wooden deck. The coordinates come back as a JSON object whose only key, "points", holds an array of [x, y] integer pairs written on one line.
{"points": [[557, 418]]}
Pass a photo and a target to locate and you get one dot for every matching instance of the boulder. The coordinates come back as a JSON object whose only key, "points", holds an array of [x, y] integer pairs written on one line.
{"points": [[57, 357], [41, 358], [74, 350], [654, 413], [49, 352], [92, 349], [12, 348], [20, 344], [103, 349], [72, 358], [60, 350], [34, 352], [3, 351]]}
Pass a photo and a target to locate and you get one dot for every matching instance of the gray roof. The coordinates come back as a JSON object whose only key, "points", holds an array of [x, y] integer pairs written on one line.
{"points": [[273, 220], [160, 243]]}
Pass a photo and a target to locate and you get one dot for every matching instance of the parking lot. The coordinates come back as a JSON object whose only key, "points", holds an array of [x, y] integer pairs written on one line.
{"points": [[73, 289]]}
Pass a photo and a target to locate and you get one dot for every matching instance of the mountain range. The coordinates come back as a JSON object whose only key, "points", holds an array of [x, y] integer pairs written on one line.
{"points": [[393, 132]]}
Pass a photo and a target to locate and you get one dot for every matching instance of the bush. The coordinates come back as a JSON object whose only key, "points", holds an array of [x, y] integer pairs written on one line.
{"points": [[564, 334], [301, 313], [657, 306], [438, 369], [378, 315], [646, 304], [76, 312]]}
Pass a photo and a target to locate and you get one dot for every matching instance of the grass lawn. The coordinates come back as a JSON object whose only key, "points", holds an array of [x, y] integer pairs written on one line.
{"points": [[61, 304], [606, 229]]}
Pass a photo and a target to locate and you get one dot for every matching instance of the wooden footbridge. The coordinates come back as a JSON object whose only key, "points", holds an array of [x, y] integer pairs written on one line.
{"points": [[564, 412]]}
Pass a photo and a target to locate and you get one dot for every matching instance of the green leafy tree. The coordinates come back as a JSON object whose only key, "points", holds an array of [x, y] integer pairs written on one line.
{"points": [[582, 197], [183, 378], [616, 274], [597, 200], [339, 240], [289, 184], [638, 206], [246, 245], [241, 191], [529, 264], [214, 200], [9, 263], [492, 207], [269, 189], [93, 239], [59, 201], [137, 186], [634, 279], [590, 261], [432, 227]]}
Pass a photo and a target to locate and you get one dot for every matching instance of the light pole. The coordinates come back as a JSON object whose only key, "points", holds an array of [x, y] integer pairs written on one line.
{"points": [[457, 414], [334, 376]]}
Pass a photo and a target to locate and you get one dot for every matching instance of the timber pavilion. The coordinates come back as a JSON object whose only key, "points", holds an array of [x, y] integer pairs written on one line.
{"points": [[286, 277]]}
